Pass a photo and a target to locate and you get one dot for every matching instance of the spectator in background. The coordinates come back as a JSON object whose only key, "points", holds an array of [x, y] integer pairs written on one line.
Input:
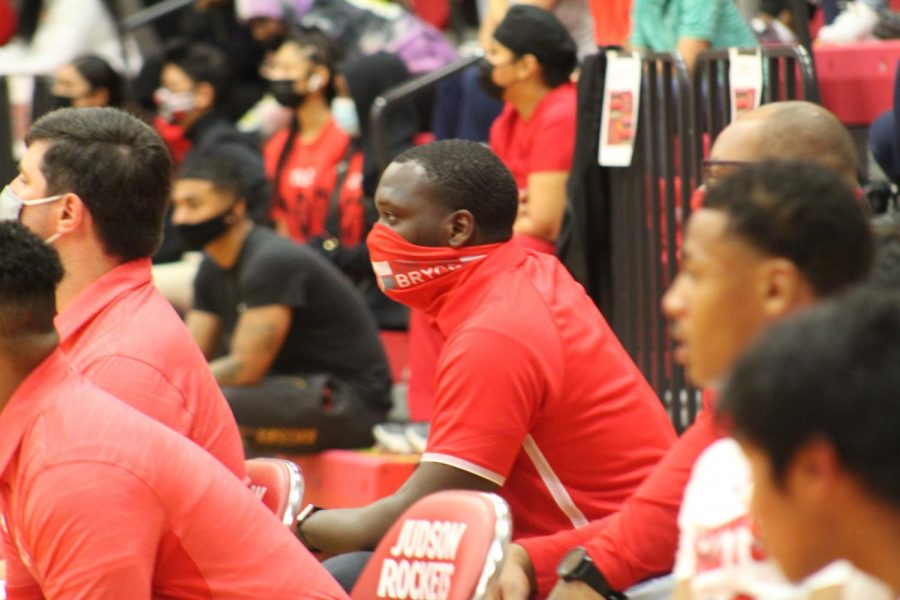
{"points": [[95, 183], [52, 33], [87, 81], [528, 65], [814, 407], [689, 27], [100, 501], [358, 83], [612, 21], [304, 159], [288, 338], [194, 80], [359, 27]]}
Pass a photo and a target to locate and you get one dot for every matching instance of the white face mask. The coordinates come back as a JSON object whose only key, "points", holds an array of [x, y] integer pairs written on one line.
{"points": [[344, 112], [11, 203], [173, 106], [11, 207]]}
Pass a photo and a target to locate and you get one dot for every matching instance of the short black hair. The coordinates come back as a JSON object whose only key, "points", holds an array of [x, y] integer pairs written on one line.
{"points": [[321, 50], [829, 373], [468, 176], [203, 63], [802, 212], [29, 273], [117, 165], [100, 75], [221, 171]]}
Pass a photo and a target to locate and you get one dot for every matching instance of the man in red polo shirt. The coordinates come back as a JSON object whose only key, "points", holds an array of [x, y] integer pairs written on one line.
{"points": [[528, 65], [536, 398], [95, 183], [91, 508]]}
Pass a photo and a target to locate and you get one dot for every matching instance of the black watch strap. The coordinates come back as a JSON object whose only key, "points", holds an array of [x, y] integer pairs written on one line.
{"points": [[577, 565], [307, 511]]}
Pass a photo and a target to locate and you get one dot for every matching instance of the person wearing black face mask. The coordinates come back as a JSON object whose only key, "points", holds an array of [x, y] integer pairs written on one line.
{"points": [[87, 81], [290, 330], [529, 61], [306, 157]]}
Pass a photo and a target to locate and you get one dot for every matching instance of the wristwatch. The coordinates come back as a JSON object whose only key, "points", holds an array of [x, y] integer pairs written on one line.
{"points": [[308, 510], [577, 565]]}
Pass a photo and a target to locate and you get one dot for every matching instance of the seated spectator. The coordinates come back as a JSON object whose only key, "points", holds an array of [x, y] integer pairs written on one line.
{"points": [[528, 65], [95, 183], [574, 15], [87, 81], [288, 338], [358, 27], [52, 33], [689, 27], [304, 160], [194, 79], [640, 541], [100, 501], [358, 83], [814, 407], [506, 418]]}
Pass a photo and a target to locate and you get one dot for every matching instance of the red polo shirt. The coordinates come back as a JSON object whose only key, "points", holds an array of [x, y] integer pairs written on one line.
{"points": [[543, 142], [535, 393], [99, 501], [640, 540], [125, 337]]}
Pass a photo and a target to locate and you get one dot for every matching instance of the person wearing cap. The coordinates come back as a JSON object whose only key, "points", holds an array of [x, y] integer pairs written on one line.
{"points": [[528, 64]]}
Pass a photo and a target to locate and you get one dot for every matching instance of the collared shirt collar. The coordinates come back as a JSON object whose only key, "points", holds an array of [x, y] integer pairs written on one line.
{"points": [[26, 401], [100, 294], [459, 303]]}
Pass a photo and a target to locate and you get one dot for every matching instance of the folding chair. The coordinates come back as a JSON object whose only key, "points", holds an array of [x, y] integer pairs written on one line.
{"points": [[446, 546], [279, 484]]}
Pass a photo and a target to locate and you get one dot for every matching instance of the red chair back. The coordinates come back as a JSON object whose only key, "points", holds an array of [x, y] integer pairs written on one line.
{"points": [[279, 484], [446, 546]]}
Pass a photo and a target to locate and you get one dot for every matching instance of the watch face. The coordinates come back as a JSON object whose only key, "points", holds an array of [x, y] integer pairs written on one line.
{"points": [[570, 562]]}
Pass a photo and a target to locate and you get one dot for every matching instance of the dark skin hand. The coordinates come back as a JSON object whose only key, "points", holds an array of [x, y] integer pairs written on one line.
{"points": [[349, 529]]}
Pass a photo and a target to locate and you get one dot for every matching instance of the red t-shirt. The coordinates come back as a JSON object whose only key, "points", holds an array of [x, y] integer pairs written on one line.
{"points": [[99, 501], [535, 393], [544, 142], [125, 336], [640, 540], [612, 21], [305, 186]]}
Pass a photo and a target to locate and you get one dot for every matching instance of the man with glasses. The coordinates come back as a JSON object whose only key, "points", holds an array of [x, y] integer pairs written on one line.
{"points": [[640, 540]]}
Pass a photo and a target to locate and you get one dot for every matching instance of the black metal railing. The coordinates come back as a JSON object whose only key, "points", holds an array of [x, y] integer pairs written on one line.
{"points": [[650, 200], [404, 93]]}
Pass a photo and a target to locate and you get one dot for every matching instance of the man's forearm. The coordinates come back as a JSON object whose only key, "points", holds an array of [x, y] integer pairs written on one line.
{"points": [[349, 529], [227, 370]]}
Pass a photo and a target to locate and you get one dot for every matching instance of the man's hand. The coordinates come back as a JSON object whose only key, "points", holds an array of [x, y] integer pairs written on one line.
{"points": [[573, 590], [516, 580]]}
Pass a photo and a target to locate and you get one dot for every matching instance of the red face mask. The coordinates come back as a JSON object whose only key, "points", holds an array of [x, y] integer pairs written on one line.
{"points": [[414, 275]]}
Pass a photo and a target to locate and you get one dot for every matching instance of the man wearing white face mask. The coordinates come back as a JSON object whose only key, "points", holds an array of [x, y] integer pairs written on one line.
{"points": [[95, 183]]}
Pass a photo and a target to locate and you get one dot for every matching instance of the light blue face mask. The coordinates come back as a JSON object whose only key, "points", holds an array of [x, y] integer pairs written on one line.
{"points": [[11, 207], [344, 112]]}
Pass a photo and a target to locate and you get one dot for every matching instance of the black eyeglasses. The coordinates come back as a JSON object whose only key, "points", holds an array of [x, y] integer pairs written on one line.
{"points": [[713, 170]]}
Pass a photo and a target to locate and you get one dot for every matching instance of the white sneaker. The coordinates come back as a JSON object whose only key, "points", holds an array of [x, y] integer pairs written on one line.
{"points": [[855, 24]]}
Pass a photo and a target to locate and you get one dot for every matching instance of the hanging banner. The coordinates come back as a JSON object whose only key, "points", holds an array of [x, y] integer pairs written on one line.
{"points": [[746, 79], [621, 107]]}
